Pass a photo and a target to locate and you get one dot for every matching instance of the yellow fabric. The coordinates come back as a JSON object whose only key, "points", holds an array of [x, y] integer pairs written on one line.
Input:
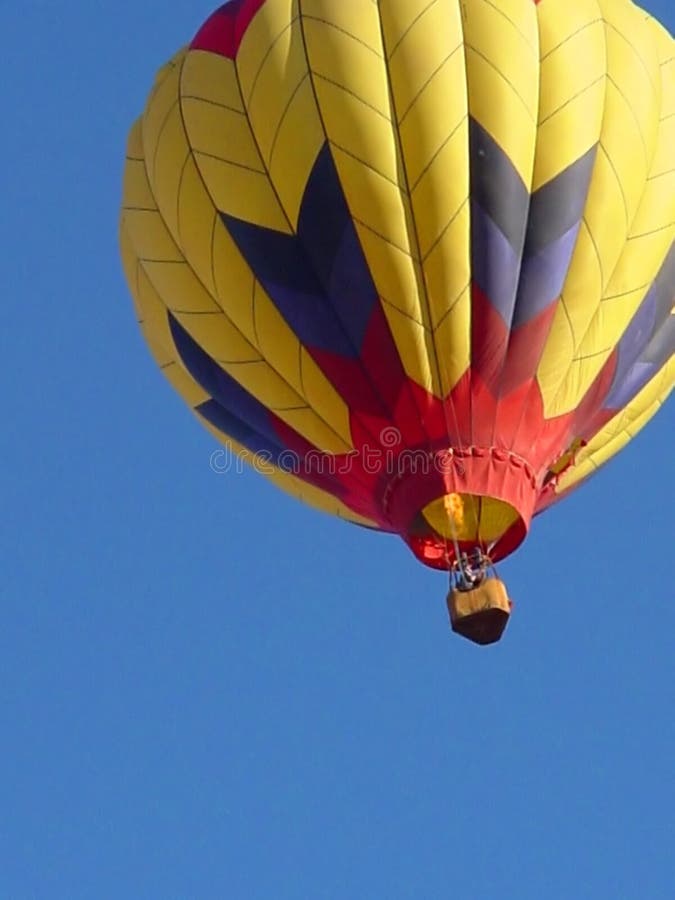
{"points": [[176, 287], [390, 84], [502, 59], [629, 219], [571, 85], [472, 518], [621, 429]]}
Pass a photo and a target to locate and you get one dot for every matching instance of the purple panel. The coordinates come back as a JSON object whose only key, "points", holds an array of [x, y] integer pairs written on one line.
{"points": [[662, 345], [497, 187], [635, 379], [635, 338], [232, 427], [553, 224], [354, 297], [656, 355], [495, 264], [241, 416], [331, 246], [542, 277], [318, 279], [282, 268], [559, 204], [649, 339]]}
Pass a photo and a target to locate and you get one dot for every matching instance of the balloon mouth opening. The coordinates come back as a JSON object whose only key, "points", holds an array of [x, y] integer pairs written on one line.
{"points": [[480, 497], [439, 551]]}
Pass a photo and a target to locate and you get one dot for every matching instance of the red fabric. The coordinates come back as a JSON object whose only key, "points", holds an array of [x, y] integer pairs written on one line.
{"points": [[489, 339], [526, 346], [400, 432], [478, 471], [223, 31]]}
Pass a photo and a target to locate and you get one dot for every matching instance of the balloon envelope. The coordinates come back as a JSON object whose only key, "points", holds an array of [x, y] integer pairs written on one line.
{"points": [[413, 261]]}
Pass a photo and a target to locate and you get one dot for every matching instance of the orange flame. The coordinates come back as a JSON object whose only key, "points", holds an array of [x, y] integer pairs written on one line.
{"points": [[454, 506]]}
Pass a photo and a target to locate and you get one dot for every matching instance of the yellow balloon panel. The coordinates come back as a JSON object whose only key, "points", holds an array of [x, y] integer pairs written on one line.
{"points": [[572, 75], [165, 270], [621, 429], [608, 278], [502, 60]]}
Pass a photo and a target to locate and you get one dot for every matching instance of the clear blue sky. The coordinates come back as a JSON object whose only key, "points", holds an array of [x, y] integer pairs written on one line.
{"points": [[186, 709]]}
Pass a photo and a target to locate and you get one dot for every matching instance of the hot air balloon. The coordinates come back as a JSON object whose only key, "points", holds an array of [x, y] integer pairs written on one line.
{"points": [[416, 258]]}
